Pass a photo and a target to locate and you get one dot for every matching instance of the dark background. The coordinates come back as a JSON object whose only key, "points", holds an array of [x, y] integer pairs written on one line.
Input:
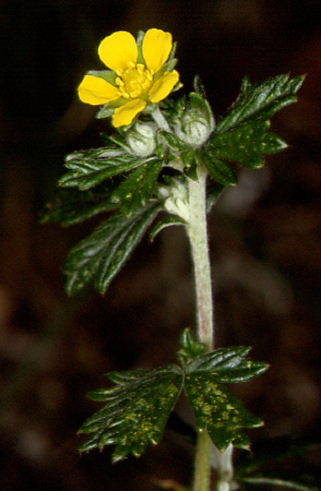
{"points": [[265, 237]]}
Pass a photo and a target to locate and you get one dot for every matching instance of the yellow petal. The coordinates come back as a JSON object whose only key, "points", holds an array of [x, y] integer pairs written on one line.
{"points": [[95, 90], [163, 86], [125, 114], [157, 46], [117, 50]]}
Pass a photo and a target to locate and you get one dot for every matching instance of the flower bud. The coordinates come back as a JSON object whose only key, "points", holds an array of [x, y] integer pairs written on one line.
{"points": [[176, 199], [196, 123], [142, 139]]}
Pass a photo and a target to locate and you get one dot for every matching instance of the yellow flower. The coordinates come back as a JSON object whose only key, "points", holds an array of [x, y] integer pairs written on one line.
{"points": [[140, 73]]}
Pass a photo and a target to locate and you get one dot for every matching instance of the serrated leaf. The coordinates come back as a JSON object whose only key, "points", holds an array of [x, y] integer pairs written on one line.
{"points": [[71, 206], [136, 190], [260, 102], [220, 171], [246, 144], [100, 256], [90, 167], [218, 411], [167, 221], [228, 365], [136, 413]]}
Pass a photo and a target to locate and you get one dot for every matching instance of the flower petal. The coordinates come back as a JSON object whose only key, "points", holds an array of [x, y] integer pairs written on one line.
{"points": [[95, 90], [117, 50], [125, 114], [163, 86], [157, 46]]}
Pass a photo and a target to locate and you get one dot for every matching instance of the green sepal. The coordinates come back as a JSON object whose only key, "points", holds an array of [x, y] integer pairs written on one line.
{"points": [[101, 255], [89, 168], [71, 206], [260, 102], [137, 189], [246, 144], [137, 410], [107, 75], [167, 221], [220, 171]]}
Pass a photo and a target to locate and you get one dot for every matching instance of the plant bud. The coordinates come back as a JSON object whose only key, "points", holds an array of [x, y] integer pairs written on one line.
{"points": [[141, 139], [196, 123]]}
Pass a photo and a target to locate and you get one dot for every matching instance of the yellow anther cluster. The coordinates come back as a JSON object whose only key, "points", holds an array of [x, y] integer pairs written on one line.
{"points": [[134, 81]]}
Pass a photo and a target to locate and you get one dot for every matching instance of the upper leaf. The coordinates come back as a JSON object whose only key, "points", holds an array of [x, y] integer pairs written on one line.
{"points": [[71, 206], [100, 256], [137, 410], [88, 168], [246, 144], [260, 102], [136, 190]]}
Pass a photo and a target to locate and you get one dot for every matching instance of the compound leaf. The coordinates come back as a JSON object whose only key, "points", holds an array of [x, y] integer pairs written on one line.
{"points": [[137, 409], [100, 256]]}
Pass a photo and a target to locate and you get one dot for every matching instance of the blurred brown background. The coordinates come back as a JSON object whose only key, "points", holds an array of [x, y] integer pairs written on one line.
{"points": [[265, 237]]}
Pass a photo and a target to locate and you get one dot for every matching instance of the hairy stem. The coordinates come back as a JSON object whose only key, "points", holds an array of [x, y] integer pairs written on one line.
{"points": [[197, 233]]}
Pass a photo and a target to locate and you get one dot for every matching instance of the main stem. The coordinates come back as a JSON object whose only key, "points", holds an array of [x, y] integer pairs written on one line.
{"points": [[197, 233]]}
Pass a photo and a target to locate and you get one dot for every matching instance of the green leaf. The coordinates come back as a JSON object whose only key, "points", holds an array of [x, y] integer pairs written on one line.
{"points": [[246, 144], [277, 482], [228, 365], [190, 347], [71, 206], [137, 189], [268, 465], [89, 168], [220, 171], [260, 102], [218, 411], [167, 221], [137, 410], [100, 256], [213, 192]]}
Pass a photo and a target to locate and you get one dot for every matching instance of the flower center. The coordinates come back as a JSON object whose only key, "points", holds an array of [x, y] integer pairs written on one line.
{"points": [[134, 81]]}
